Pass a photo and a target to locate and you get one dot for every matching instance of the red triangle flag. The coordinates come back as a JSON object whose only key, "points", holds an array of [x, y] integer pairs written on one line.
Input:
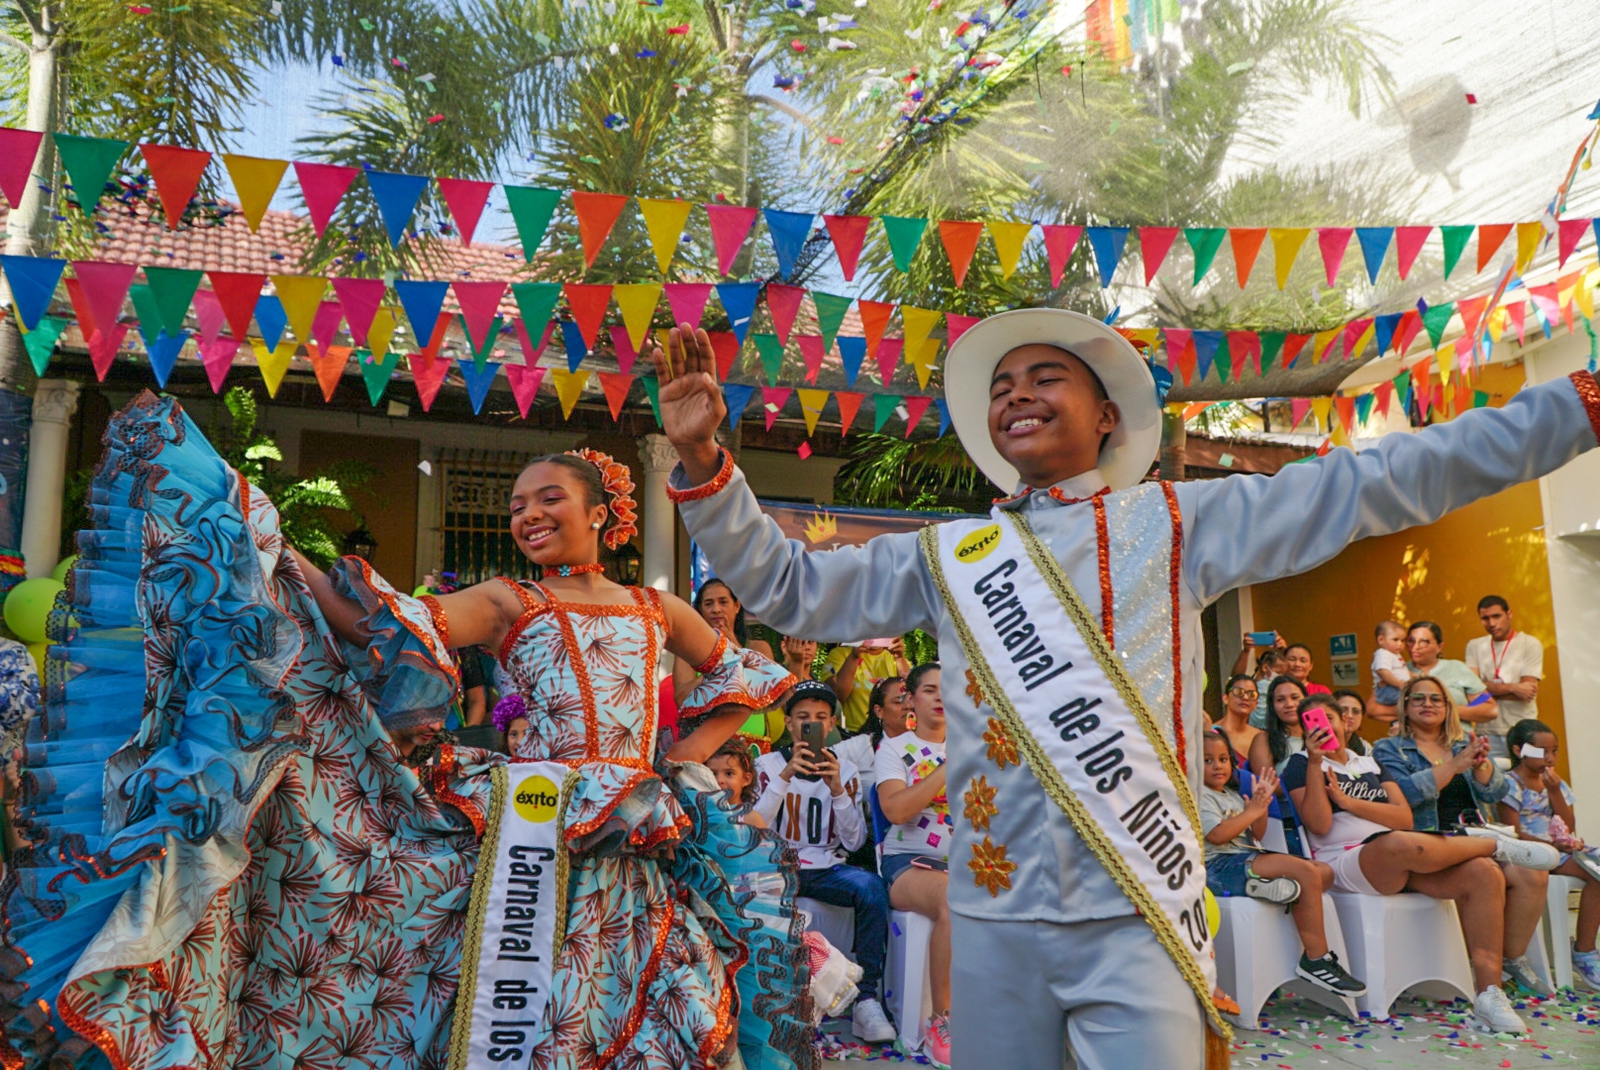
{"points": [[1244, 346], [217, 356], [588, 301], [480, 301], [915, 406], [1298, 407], [783, 302], [956, 325], [687, 301], [105, 287], [1292, 345], [848, 232], [874, 319], [1384, 393], [440, 327], [1571, 230], [849, 405], [1490, 235], [888, 352], [530, 350], [80, 307], [176, 172], [1333, 241], [811, 349], [623, 345], [1518, 314], [616, 386], [525, 380], [1471, 309], [730, 225], [960, 242], [725, 344], [103, 350], [427, 375], [1406, 330], [1352, 335], [597, 213], [465, 197], [773, 399], [323, 185], [1059, 241], [1346, 408], [1246, 243], [18, 151], [1154, 244], [1407, 244], [360, 299]]}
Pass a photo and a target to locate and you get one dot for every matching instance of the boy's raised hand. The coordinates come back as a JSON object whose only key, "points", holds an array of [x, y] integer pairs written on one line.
{"points": [[691, 401]]}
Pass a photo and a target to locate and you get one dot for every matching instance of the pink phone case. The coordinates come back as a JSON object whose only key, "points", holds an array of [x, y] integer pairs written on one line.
{"points": [[1317, 718]]}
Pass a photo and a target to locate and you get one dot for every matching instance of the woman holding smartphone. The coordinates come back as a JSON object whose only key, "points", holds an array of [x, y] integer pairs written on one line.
{"points": [[916, 850]]}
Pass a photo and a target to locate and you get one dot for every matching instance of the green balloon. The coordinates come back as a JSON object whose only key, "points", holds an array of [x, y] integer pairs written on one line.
{"points": [[28, 605], [422, 589], [61, 570]]}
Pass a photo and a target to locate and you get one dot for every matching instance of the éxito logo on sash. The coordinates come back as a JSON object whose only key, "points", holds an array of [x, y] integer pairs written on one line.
{"points": [[978, 545], [536, 799]]}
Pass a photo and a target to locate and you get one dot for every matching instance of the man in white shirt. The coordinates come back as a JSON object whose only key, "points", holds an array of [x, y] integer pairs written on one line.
{"points": [[1511, 664]]}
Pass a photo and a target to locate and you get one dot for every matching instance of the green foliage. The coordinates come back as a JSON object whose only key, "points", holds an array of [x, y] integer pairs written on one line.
{"points": [[935, 474]]}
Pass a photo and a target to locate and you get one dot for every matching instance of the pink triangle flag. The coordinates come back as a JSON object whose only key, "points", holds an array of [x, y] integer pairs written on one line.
{"points": [[915, 407], [530, 351], [730, 225], [18, 151], [208, 314], [1059, 241], [1244, 346], [626, 354], [1352, 335], [1385, 394], [465, 197], [1547, 301], [888, 354], [1333, 241], [1518, 314], [323, 186], [687, 300], [105, 287], [1407, 244], [479, 302], [772, 402], [1570, 231], [525, 380], [360, 299], [325, 327], [103, 349], [783, 302], [956, 325], [427, 375], [811, 349], [1154, 244], [1298, 407], [217, 356]]}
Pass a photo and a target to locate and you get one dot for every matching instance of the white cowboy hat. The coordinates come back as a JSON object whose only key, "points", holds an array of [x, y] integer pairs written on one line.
{"points": [[1128, 452]]}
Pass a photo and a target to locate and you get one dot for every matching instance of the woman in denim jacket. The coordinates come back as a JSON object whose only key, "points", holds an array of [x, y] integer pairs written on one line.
{"points": [[1445, 774]]}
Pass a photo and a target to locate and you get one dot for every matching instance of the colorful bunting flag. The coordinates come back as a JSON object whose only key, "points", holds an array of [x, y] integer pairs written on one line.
{"points": [[40, 341], [376, 372], [615, 386], [465, 198], [217, 358], [569, 388], [1203, 243], [883, 407], [172, 291], [1374, 247], [849, 405], [1008, 241], [664, 222], [1529, 235], [1570, 232], [687, 301], [271, 363], [956, 325], [1407, 244], [255, 183], [915, 408], [1059, 242], [1286, 243], [1154, 244], [479, 377], [960, 240], [874, 320], [770, 350], [739, 301], [176, 173], [811, 352], [427, 375], [848, 233], [888, 353], [831, 310], [531, 210], [19, 149], [525, 379], [328, 365], [811, 404], [88, 162], [397, 197], [105, 288], [1107, 243], [730, 225], [1333, 241], [1490, 237], [783, 304], [788, 231], [725, 346], [423, 300], [322, 187], [270, 318], [773, 399], [852, 354], [637, 302], [573, 341], [597, 213], [1246, 244], [301, 296], [588, 302], [737, 396], [360, 299], [904, 233]]}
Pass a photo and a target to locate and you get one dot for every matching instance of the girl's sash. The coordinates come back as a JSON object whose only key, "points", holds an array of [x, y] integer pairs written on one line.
{"points": [[1082, 726], [516, 917]]}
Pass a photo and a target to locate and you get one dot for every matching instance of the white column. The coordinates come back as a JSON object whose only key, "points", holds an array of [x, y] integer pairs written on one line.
{"points": [[658, 517], [54, 402]]}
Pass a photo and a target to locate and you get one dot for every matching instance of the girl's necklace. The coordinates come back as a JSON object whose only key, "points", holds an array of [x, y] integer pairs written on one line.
{"points": [[566, 571]]}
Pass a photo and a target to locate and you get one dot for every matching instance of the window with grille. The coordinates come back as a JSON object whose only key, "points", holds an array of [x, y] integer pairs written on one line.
{"points": [[475, 526]]}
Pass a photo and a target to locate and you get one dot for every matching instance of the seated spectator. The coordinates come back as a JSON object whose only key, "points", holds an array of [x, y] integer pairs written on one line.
{"points": [[888, 711], [1353, 708], [1269, 666], [1297, 666], [1539, 806], [1473, 703], [1358, 821], [852, 671], [916, 849], [1445, 775], [735, 771], [811, 800], [1389, 672], [1239, 699], [1282, 738], [1237, 865]]}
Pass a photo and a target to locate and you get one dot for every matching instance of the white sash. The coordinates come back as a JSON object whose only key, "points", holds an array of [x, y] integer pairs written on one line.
{"points": [[516, 918], [1082, 726]]}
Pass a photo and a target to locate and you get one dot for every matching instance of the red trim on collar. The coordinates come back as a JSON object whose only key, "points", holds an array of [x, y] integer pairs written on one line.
{"points": [[1055, 492]]}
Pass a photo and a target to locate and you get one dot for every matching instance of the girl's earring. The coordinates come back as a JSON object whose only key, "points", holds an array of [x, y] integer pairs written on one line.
{"points": [[595, 525]]}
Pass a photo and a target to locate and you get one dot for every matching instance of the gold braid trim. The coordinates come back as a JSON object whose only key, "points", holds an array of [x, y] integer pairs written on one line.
{"points": [[1050, 778]]}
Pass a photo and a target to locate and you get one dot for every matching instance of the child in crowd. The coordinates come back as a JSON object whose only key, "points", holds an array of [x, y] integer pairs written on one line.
{"points": [[1389, 672], [510, 716], [1539, 807], [735, 771], [811, 800], [1269, 666], [1236, 864]]}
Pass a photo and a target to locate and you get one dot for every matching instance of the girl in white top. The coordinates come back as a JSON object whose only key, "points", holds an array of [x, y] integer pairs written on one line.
{"points": [[916, 850]]}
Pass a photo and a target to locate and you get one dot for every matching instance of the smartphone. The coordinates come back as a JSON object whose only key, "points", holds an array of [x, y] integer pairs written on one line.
{"points": [[1317, 717], [813, 735], [876, 644], [1263, 638], [938, 865]]}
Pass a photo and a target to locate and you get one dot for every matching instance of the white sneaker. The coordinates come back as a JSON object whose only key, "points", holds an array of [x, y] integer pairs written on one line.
{"points": [[1587, 862], [1520, 970], [1530, 854], [869, 1023], [1492, 1013], [1587, 963]]}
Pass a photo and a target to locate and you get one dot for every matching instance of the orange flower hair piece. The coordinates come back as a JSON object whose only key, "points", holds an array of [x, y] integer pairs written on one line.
{"points": [[618, 482]]}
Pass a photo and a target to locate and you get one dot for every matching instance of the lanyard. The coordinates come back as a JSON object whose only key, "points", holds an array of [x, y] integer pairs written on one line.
{"points": [[1497, 657]]}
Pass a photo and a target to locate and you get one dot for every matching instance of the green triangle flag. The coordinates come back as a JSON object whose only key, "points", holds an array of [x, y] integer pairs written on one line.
{"points": [[830, 314], [41, 341], [904, 234], [1402, 386], [376, 373], [1455, 240], [771, 351], [1436, 319], [1271, 346], [173, 289], [883, 406], [531, 208], [480, 356], [537, 303], [1224, 360], [1204, 242], [1479, 399], [88, 162], [652, 390]]}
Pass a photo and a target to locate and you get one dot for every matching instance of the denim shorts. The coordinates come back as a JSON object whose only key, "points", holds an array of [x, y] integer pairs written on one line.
{"points": [[1386, 694], [894, 865], [1226, 874]]}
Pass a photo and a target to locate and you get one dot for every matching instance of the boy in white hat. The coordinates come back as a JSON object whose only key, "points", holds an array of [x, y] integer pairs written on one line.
{"points": [[1073, 615]]}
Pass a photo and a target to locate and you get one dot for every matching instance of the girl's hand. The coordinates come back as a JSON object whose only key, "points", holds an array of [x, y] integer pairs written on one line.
{"points": [[1261, 795], [1549, 777]]}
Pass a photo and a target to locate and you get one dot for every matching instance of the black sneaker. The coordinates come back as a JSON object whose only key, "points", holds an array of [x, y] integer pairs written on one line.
{"points": [[1327, 973], [1277, 890]]}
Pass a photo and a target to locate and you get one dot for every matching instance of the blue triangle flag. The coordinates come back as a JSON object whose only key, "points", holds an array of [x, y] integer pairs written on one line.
{"points": [[271, 318], [1163, 379], [163, 354], [1374, 245], [397, 196], [788, 231], [1107, 243], [1205, 349], [478, 380], [572, 339], [852, 351], [739, 299], [1383, 330], [738, 396], [944, 415], [423, 301], [33, 283]]}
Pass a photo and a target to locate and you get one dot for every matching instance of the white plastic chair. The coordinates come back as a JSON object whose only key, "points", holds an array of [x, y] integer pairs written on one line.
{"points": [[907, 982], [838, 924], [1400, 943], [1539, 956], [1557, 925], [1258, 949]]}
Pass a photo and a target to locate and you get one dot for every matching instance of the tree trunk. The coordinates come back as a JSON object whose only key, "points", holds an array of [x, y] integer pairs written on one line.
{"points": [[1173, 440]]}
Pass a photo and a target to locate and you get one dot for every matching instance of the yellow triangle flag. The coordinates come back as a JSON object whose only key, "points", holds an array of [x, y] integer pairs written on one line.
{"points": [[255, 180], [919, 323], [300, 295], [664, 220], [1529, 235], [569, 387], [811, 402], [922, 363], [273, 362], [1497, 323], [1321, 407], [1366, 336], [1321, 343], [1008, 239], [637, 300], [1286, 242], [1446, 359], [1148, 336], [1584, 295], [381, 333]]}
